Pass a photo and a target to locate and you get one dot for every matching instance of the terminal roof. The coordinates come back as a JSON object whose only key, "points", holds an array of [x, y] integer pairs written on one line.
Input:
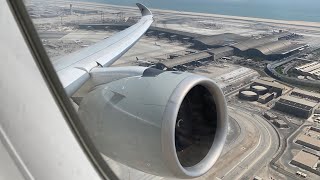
{"points": [[185, 59]]}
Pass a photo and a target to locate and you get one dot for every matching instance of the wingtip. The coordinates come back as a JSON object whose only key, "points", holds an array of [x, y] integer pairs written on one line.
{"points": [[143, 9]]}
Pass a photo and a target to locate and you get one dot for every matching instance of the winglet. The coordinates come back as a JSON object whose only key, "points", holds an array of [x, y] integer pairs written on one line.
{"points": [[144, 10]]}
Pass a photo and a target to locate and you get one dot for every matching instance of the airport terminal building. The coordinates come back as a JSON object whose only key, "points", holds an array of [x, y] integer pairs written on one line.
{"points": [[270, 47]]}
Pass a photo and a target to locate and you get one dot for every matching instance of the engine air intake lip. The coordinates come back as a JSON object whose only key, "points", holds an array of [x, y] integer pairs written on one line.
{"points": [[212, 139], [196, 125]]}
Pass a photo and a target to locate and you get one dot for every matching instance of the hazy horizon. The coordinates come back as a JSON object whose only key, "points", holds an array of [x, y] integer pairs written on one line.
{"points": [[306, 10]]}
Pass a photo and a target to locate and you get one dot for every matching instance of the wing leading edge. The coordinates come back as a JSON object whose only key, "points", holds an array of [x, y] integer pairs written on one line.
{"points": [[74, 69]]}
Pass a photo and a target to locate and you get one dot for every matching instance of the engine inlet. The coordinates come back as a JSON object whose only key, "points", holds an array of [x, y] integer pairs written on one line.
{"points": [[196, 125]]}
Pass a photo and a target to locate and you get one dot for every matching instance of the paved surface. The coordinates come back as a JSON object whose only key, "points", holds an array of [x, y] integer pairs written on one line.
{"points": [[261, 154], [291, 150]]}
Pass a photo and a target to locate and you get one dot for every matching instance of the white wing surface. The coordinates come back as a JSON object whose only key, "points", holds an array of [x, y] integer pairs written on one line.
{"points": [[74, 69]]}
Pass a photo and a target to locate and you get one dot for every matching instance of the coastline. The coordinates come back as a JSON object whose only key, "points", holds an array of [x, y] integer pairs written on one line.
{"points": [[243, 18]]}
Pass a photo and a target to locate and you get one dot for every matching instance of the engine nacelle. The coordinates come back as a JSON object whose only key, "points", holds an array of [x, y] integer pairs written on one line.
{"points": [[171, 124]]}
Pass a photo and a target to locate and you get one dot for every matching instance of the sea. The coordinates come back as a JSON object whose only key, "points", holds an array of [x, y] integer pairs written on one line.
{"points": [[296, 10]]}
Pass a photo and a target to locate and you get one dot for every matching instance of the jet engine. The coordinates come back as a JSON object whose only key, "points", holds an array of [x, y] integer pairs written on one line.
{"points": [[170, 124]]}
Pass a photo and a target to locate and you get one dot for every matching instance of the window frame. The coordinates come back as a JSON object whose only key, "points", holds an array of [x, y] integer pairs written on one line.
{"points": [[49, 74]]}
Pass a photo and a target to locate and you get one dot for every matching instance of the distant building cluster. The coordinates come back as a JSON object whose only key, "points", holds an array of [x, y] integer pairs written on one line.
{"points": [[311, 69], [271, 47], [178, 61], [295, 106], [299, 103], [271, 85], [274, 119], [182, 60], [262, 90], [308, 160]]}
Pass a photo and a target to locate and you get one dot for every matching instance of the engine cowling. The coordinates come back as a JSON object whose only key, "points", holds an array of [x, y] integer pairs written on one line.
{"points": [[171, 124]]}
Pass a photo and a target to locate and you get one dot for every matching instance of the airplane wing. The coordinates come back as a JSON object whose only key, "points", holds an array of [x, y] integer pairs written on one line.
{"points": [[131, 113], [74, 69]]}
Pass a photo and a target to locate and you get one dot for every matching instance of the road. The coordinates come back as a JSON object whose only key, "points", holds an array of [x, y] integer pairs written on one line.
{"points": [[285, 158], [263, 151]]}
